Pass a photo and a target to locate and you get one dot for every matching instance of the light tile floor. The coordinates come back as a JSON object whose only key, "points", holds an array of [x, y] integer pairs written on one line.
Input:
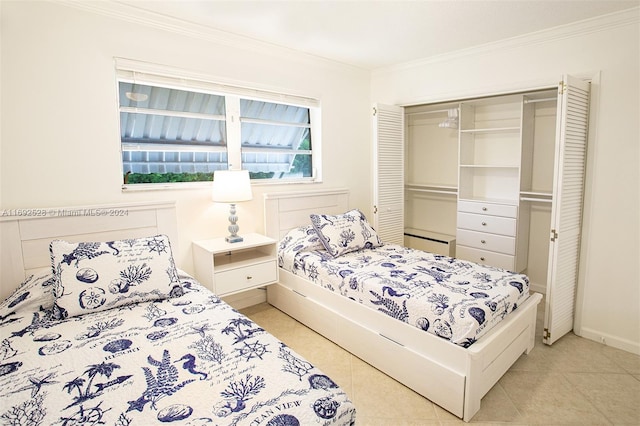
{"points": [[573, 382]]}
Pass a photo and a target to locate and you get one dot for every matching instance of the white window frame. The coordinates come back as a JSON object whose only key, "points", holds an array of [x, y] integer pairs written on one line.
{"points": [[159, 75]]}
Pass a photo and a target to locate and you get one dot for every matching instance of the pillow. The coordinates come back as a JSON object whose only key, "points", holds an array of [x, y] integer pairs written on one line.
{"points": [[300, 239], [345, 233], [34, 294], [296, 241], [96, 276]]}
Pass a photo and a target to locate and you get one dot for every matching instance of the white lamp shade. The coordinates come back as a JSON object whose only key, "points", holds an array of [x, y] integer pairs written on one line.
{"points": [[231, 186]]}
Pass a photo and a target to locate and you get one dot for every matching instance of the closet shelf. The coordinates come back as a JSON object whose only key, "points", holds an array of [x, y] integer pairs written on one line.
{"points": [[507, 201], [490, 166], [492, 129]]}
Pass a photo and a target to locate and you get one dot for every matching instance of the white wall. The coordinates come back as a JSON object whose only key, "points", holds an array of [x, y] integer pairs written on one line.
{"points": [[609, 296], [60, 132]]}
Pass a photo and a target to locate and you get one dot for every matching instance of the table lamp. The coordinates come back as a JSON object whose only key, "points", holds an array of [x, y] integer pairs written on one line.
{"points": [[231, 186]]}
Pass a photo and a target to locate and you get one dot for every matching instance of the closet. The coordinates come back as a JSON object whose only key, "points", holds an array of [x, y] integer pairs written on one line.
{"points": [[499, 180]]}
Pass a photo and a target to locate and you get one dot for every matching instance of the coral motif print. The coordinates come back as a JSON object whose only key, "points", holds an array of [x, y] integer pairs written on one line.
{"points": [[209, 350], [439, 303], [346, 236], [30, 412], [293, 364], [238, 393], [132, 276], [163, 384]]}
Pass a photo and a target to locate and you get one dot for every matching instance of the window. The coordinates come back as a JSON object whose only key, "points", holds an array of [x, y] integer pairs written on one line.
{"points": [[175, 130]]}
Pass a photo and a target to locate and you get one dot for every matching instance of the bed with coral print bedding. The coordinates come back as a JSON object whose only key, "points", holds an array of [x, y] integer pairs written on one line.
{"points": [[451, 298], [182, 355]]}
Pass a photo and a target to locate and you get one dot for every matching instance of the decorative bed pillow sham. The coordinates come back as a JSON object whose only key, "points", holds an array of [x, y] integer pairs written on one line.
{"points": [[35, 293], [345, 233], [96, 276], [295, 241]]}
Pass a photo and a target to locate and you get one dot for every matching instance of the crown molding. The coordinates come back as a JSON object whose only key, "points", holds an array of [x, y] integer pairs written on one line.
{"points": [[131, 14], [128, 13], [580, 28]]}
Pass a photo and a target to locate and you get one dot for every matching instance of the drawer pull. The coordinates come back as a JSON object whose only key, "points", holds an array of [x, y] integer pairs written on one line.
{"points": [[249, 277], [484, 209], [483, 241], [482, 258], [484, 223]]}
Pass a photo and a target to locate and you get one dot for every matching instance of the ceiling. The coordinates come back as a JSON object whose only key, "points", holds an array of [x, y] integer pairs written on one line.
{"points": [[374, 34]]}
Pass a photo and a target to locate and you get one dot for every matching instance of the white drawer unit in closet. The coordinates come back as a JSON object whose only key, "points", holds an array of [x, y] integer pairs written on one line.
{"points": [[494, 209], [485, 257], [485, 241], [487, 233], [487, 223]]}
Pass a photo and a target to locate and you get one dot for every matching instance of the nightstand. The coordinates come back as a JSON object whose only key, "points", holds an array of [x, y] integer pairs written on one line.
{"points": [[228, 268]]}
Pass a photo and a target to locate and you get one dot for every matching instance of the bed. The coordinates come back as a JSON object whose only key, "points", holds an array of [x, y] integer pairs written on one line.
{"points": [[105, 329], [453, 374]]}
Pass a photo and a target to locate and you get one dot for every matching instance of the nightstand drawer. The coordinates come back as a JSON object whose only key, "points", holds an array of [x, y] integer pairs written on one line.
{"points": [[238, 279], [483, 257], [485, 223], [485, 241]]}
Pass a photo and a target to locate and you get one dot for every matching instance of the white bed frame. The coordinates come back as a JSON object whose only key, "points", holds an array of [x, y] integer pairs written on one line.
{"points": [[25, 233], [453, 377]]}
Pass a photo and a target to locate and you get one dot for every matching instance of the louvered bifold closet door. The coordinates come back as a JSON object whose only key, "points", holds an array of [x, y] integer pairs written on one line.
{"points": [[388, 173], [566, 211]]}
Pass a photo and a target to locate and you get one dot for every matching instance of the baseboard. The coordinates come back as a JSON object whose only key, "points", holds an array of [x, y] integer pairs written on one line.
{"points": [[538, 288], [609, 340]]}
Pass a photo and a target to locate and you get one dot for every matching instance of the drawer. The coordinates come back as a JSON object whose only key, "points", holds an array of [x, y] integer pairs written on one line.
{"points": [[484, 257], [244, 278], [484, 223], [484, 241], [504, 210]]}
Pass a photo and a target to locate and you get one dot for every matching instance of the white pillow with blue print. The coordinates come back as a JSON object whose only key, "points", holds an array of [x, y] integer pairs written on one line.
{"points": [[297, 240], [33, 294], [96, 276], [345, 233]]}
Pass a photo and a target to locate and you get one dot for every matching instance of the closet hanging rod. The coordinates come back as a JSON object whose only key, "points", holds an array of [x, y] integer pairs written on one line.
{"points": [[537, 200], [434, 191], [533, 101], [435, 111]]}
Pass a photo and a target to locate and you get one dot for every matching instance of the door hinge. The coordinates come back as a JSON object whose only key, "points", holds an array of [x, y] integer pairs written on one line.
{"points": [[375, 111], [546, 335], [375, 209], [554, 235], [562, 86]]}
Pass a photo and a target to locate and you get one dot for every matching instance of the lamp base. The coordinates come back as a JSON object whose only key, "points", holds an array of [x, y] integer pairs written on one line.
{"points": [[233, 226], [233, 239]]}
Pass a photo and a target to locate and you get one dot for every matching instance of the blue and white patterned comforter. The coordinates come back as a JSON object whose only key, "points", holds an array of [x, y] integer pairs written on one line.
{"points": [[451, 298], [192, 360]]}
